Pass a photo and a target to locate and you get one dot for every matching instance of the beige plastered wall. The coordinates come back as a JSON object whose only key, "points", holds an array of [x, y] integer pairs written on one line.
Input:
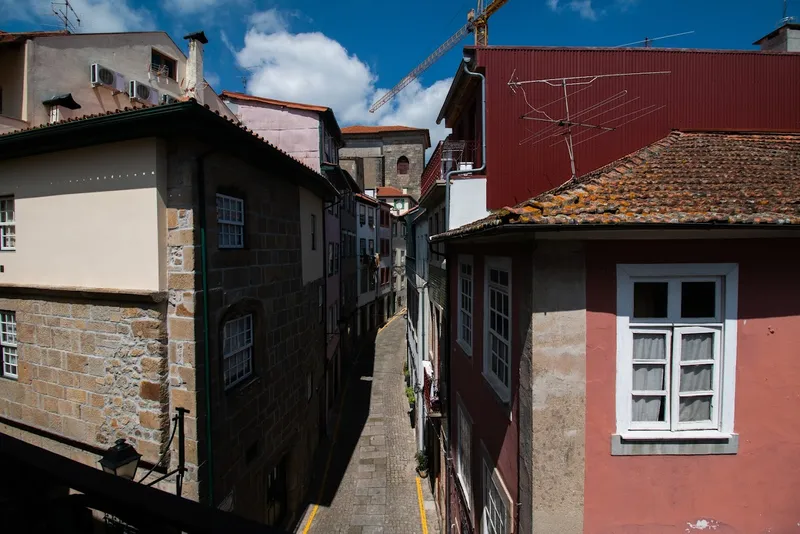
{"points": [[61, 64], [313, 264], [88, 218]]}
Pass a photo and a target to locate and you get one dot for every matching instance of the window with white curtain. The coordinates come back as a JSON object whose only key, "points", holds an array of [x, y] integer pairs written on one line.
{"points": [[497, 316], [676, 342], [465, 294], [464, 453]]}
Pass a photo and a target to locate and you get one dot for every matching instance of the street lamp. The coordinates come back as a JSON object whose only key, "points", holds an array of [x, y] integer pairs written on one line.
{"points": [[121, 460]]}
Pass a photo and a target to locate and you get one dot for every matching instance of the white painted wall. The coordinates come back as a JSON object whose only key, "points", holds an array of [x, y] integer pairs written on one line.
{"points": [[467, 201], [313, 260], [88, 218]]}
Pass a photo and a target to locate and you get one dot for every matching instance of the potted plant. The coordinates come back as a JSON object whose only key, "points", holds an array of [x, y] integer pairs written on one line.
{"points": [[412, 397], [422, 464]]}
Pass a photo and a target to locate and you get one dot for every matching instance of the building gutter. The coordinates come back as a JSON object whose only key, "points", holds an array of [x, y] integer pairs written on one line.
{"points": [[483, 147], [201, 189]]}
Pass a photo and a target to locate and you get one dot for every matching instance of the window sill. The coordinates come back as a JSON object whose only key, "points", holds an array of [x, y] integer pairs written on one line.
{"points": [[501, 393], [466, 348], [674, 443]]}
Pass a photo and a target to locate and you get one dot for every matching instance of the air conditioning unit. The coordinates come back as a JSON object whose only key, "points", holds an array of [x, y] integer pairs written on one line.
{"points": [[141, 92], [168, 99], [100, 75]]}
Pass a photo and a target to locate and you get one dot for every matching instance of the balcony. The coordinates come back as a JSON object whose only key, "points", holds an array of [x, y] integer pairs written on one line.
{"points": [[430, 392], [450, 155]]}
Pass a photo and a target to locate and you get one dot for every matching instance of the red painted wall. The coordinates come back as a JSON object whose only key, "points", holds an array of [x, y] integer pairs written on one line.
{"points": [[757, 489], [704, 90], [491, 421]]}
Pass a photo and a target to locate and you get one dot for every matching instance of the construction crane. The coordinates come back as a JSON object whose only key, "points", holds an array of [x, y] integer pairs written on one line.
{"points": [[477, 23]]}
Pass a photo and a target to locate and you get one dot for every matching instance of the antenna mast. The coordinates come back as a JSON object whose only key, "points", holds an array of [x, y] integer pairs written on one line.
{"points": [[786, 18], [64, 13]]}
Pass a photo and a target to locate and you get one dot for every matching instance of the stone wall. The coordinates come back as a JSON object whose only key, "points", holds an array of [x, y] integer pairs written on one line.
{"points": [[267, 418], [557, 385], [414, 150], [91, 371]]}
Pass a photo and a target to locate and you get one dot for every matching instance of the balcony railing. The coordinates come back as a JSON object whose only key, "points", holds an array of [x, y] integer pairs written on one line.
{"points": [[450, 155], [430, 392]]}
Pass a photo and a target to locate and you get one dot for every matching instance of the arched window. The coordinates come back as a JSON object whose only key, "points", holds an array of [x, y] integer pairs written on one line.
{"points": [[402, 165]]}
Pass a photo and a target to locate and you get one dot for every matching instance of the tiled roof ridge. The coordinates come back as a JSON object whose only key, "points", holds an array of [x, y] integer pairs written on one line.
{"points": [[181, 101], [685, 178]]}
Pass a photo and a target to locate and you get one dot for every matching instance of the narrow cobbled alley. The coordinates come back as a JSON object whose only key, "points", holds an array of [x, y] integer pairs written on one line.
{"points": [[370, 484]]}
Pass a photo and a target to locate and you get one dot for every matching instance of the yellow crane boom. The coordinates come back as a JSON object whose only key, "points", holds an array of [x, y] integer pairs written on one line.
{"points": [[479, 24]]}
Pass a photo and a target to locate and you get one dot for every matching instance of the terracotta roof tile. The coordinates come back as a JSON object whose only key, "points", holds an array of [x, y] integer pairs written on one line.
{"points": [[11, 37], [132, 110], [390, 191], [686, 178], [253, 98]]}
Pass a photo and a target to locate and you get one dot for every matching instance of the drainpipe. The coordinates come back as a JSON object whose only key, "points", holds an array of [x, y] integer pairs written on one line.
{"points": [[201, 188], [483, 146]]}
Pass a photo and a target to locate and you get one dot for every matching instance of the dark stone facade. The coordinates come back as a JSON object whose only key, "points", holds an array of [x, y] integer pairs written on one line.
{"points": [[267, 420]]}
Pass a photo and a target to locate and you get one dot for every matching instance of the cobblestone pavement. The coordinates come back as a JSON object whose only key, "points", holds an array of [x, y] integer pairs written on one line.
{"points": [[371, 484]]}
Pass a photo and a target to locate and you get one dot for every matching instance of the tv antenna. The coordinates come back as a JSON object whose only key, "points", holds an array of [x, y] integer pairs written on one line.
{"points": [[576, 123], [64, 13], [786, 18], [648, 41]]}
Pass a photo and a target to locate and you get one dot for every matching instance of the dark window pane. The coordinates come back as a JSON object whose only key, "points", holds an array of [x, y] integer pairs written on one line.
{"points": [[650, 299], [698, 299]]}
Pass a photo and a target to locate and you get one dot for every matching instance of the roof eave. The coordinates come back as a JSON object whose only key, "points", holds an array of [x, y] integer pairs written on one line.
{"points": [[493, 229]]}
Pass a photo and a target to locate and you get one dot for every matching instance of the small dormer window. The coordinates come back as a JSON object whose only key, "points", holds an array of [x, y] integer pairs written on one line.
{"points": [[56, 104], [163, 65], [55, 114]]}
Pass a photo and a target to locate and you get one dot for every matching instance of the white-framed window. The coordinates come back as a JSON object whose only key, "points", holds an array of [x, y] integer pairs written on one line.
{"points": [[497, 319], [464, 453], [8, 344], [465, 296], [230, 221], [495, 518], [676, 350], [237, 349], [8, 228]]}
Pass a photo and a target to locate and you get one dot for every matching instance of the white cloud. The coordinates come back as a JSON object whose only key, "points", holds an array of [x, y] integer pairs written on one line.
{"points": [[315, 69], [97, 16], [583, 8]]}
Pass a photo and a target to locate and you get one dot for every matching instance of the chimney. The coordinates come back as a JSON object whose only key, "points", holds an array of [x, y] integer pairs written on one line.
{"points": [[405, 190], [783, 39], [194, 66]]}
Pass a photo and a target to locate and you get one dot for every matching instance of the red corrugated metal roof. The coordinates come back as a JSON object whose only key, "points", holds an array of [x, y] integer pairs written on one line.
{"points": [[712, 90], [686, 178]]}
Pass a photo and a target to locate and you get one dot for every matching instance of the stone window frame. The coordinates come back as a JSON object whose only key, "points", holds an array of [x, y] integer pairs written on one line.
{"points": [[722, 440], [244, 307], [8, 345], [403, 165]]}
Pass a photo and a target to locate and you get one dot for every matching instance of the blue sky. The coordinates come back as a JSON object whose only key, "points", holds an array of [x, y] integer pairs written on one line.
{"points": [[345, 53]]}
